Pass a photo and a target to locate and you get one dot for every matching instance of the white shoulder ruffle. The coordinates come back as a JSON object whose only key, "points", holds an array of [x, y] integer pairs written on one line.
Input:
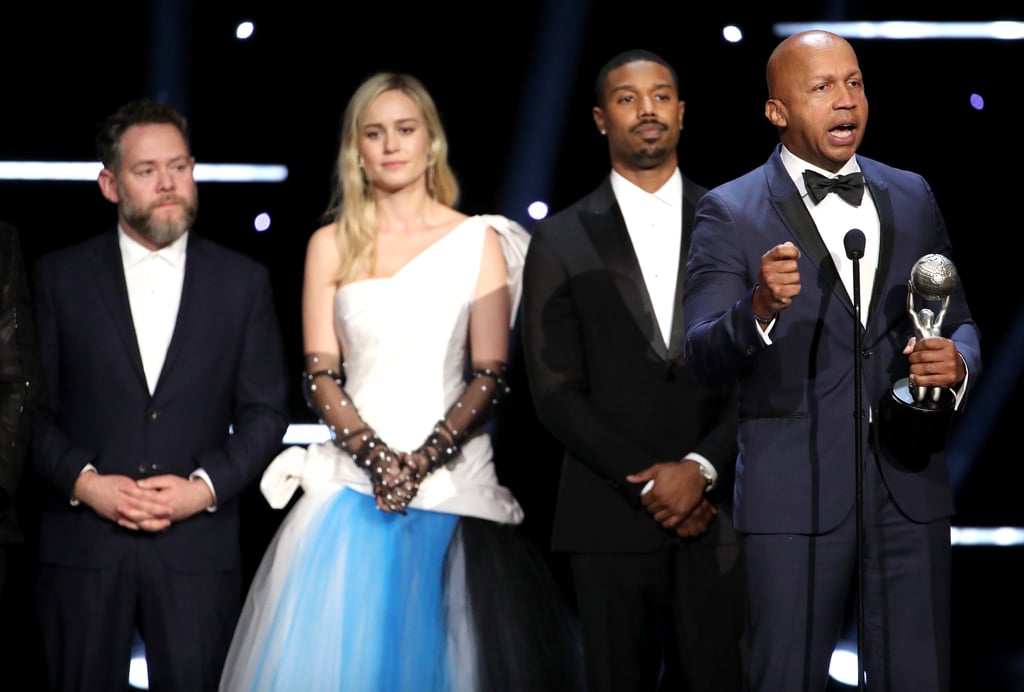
{"points": [[514, 241]]}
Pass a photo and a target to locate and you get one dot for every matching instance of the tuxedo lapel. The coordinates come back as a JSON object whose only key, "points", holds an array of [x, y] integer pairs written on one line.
{"points": [[604, 224], [786, 201], [886, 238], [677, 337], [108, 271]]}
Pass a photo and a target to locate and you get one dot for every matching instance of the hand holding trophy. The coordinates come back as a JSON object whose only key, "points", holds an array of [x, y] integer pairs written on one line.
{"points": [[915, 420], [932, 279]]}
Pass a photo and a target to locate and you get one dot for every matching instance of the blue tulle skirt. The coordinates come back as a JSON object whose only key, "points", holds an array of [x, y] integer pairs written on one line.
{"points": [[351, 598]]}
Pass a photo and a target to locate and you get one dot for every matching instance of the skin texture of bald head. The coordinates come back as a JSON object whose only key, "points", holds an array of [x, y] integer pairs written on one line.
{"points": [[816, 98]]}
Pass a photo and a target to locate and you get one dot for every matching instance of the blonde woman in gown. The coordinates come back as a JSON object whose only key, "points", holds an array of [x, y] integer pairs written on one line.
{"points": [[400, 566]]}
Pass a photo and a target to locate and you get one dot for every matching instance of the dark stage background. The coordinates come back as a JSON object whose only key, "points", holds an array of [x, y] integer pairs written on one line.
{"points": [[514, 84]]}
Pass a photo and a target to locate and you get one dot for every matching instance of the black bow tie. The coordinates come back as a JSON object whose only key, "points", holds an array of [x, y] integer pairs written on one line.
{"points": [[850, 187]]}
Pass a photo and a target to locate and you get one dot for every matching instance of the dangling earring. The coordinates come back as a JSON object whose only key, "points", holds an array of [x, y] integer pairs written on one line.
{"points": [[360, 162]]}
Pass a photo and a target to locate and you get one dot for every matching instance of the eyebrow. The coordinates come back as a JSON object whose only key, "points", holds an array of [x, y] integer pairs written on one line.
{"points": [[153, 162], [634, 87], [400, 121]]}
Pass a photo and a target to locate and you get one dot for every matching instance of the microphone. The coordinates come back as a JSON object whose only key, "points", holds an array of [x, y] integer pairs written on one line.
{"points": [[854, 242]]}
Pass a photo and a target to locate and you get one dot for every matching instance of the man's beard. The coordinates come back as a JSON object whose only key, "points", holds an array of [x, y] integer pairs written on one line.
{"points": [[651, 156], [161, 232]]}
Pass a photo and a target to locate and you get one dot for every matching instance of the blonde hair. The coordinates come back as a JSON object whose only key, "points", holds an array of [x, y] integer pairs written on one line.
{"points": [[352, 204]]}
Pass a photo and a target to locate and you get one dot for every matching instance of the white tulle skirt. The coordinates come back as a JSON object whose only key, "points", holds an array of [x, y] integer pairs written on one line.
{"points": [[351, 598]]}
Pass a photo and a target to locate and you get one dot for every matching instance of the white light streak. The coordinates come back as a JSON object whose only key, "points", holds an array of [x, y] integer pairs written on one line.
{"points": [[899, 30], [72, 171]]}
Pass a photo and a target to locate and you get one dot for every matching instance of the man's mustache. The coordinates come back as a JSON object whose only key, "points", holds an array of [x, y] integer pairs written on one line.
{"points": [[645, 123], [169, 198]]}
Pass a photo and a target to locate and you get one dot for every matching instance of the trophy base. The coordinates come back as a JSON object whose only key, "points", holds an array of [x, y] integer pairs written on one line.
{"points": [[913, 429]]}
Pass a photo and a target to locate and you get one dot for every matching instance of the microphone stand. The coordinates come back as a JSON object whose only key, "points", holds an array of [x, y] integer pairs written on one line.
{"points": [[854, 242]]}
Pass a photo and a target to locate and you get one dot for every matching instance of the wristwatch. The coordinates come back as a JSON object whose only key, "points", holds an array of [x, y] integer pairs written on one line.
{"points": [[708, 478]]}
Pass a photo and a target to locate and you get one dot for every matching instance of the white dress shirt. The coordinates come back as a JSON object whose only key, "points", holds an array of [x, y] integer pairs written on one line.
{"points": [[654, 222], [655, 226], [834, 217], [154, 280]]}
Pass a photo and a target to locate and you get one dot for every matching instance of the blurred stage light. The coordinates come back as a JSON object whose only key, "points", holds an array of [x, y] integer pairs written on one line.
{"points": [[732, 33], [89, 170], [244, 30], [138, 672], [262, 222], [843, 666], [1003, 30], [537, 210], [988, 536], [306, 434]]}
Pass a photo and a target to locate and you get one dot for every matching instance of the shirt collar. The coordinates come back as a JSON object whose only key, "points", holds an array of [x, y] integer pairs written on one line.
{"points": [[133, 252], [670, 193]]}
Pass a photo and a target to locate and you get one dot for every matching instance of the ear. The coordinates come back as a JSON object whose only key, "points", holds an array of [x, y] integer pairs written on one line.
{"points": [[775, 113], [682, 111], [599, 120], [108, 185]]}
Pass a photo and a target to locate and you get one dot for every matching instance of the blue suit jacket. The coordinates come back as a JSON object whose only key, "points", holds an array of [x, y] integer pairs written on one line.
{"points": [[797, 463], [225, 368]]}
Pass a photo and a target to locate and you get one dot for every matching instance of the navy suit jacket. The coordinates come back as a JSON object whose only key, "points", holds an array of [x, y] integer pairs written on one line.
{"points": [[225, 370], [797, 466], [605, 384]]}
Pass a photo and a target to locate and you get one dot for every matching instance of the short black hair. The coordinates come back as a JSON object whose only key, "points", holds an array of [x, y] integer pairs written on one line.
{"points": [[141, 111], [624, 58]]}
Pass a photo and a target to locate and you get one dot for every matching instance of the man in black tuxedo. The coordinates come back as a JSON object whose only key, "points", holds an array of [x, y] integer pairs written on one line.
{"points": [[166, 396], [656, 573]]}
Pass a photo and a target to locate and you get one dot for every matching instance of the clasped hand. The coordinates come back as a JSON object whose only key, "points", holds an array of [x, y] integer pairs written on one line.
{"points": [[396, 479], [150, 504], [677, 500]]}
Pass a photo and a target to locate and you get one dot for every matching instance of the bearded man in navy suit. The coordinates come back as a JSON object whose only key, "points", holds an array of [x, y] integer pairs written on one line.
{"points": [[769, 305], [166, 396]]}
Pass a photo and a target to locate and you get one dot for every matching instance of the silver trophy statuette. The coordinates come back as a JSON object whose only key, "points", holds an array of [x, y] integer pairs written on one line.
{"points": [[932, 278]]}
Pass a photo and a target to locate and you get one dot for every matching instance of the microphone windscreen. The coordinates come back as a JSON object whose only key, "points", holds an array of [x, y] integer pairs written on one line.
{"points": [[854, 242]]}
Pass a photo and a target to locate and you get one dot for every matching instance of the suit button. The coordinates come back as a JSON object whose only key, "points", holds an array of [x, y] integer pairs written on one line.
{"points": [[751, 350], [142, 468], [153, 415], [866, 353]]}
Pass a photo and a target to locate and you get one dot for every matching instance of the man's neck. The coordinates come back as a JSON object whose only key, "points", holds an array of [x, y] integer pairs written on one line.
{"points": [[647, 179]]}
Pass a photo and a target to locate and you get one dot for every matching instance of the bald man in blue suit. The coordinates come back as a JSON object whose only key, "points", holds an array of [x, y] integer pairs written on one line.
{"points": [[768, 304]]}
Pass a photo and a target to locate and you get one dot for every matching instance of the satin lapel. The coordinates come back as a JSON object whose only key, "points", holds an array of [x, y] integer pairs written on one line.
{"points": [[108, 271], [607, 231], [791, 208], [677, 338], [886, 239]]}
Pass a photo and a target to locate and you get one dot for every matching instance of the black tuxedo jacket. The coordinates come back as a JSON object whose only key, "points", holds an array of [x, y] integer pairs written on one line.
{"points": [[604, 383], [220, 403]]}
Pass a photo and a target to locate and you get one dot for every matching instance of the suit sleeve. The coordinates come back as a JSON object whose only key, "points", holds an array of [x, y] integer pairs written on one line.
{"points": [[556, 365], [55, 459], [260, 416], [722, 338]]}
